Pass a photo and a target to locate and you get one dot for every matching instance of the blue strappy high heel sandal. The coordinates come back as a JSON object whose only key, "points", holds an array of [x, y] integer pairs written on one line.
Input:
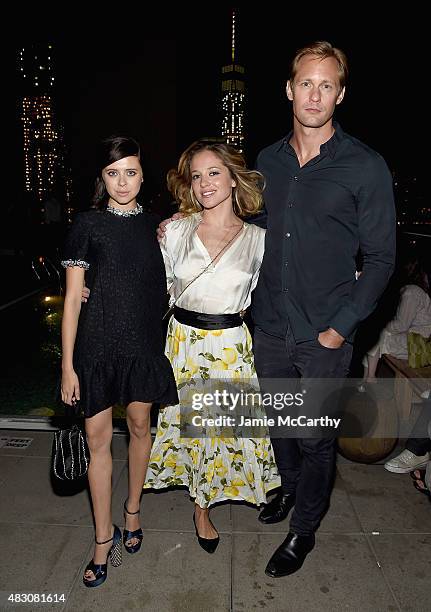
{"points": [[100, 570], [129, 535]]}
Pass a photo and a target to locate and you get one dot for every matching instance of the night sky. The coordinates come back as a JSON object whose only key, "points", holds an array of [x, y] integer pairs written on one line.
{"points": [[161, 82]]}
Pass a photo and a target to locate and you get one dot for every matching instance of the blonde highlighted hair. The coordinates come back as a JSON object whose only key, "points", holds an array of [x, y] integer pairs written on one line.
{"points": [[322, 49], [246, 196]]}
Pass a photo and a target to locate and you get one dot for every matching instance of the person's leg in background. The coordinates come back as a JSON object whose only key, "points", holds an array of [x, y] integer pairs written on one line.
{"points": [[417, 448]]}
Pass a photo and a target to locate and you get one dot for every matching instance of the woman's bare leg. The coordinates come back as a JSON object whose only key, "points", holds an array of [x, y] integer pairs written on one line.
{"points": [[203, 523], [138, 421], [99, 437]]}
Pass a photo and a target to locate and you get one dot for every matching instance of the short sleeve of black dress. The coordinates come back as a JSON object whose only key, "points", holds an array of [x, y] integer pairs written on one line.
{"points": [[75, 252]]}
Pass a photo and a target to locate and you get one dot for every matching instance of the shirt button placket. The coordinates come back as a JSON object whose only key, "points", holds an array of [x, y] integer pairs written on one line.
{"points": [[289, 205]]}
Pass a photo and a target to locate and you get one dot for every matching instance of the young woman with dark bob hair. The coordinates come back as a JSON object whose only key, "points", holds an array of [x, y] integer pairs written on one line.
{"points": [[113, 344]]}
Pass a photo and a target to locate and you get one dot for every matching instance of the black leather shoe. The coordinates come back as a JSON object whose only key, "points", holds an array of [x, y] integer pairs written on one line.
{"points": [[289, 557], [277, 509]]}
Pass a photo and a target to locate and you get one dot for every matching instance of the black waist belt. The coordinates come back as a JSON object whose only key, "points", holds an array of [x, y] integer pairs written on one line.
{"points": [[207, 321]]}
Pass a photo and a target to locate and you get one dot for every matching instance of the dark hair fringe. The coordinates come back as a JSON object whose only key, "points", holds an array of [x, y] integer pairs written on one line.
{"points": [[111, 150]]}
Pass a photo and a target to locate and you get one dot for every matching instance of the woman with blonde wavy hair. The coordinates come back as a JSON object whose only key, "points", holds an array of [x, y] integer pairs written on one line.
{"points": [[212, 260]]}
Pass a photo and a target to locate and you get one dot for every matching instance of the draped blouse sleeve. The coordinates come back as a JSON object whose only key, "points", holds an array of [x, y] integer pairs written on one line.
{"points": [[169, 247]]}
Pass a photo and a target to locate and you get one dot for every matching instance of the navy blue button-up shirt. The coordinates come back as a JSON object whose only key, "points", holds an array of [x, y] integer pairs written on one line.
{"points": [[318, 217]]}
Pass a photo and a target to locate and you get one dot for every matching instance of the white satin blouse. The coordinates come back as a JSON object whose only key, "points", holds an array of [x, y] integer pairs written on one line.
{"points": [[226, 287]]}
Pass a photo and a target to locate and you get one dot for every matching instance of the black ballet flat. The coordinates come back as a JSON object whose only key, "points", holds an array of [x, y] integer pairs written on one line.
{"points": [[128, 535], [208, 544], [100, 570]]}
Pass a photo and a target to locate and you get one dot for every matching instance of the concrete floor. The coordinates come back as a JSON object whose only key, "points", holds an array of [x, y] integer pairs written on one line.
{"points": [[372, 553]]}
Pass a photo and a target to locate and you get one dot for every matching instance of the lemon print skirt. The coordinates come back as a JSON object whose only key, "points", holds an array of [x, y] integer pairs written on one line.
{"points": [[213, 467]]}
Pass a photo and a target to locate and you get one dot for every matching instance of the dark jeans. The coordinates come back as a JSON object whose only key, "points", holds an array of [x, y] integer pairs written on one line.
{"points": [[306, 465], [416, 444]]}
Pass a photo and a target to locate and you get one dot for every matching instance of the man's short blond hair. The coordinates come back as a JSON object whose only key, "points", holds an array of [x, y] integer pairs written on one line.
{"points": [[322, 49]]}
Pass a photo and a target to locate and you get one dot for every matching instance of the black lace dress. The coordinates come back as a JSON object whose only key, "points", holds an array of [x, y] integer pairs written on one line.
{"points": [[119, 348]]}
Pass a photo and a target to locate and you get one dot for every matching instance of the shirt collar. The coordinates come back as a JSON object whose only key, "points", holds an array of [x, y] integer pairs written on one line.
{"points": [[329, 147], [332, 144]]}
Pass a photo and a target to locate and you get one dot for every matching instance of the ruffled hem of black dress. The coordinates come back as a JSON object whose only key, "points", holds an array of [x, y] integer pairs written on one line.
{"points": [[125, 380]]}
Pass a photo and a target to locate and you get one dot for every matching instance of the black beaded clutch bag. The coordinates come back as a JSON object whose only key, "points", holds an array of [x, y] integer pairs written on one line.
{"points": [[70, 456]]}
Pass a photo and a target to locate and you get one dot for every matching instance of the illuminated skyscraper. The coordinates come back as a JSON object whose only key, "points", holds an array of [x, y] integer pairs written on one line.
{"points": [[43, 142], [233, 96]]}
